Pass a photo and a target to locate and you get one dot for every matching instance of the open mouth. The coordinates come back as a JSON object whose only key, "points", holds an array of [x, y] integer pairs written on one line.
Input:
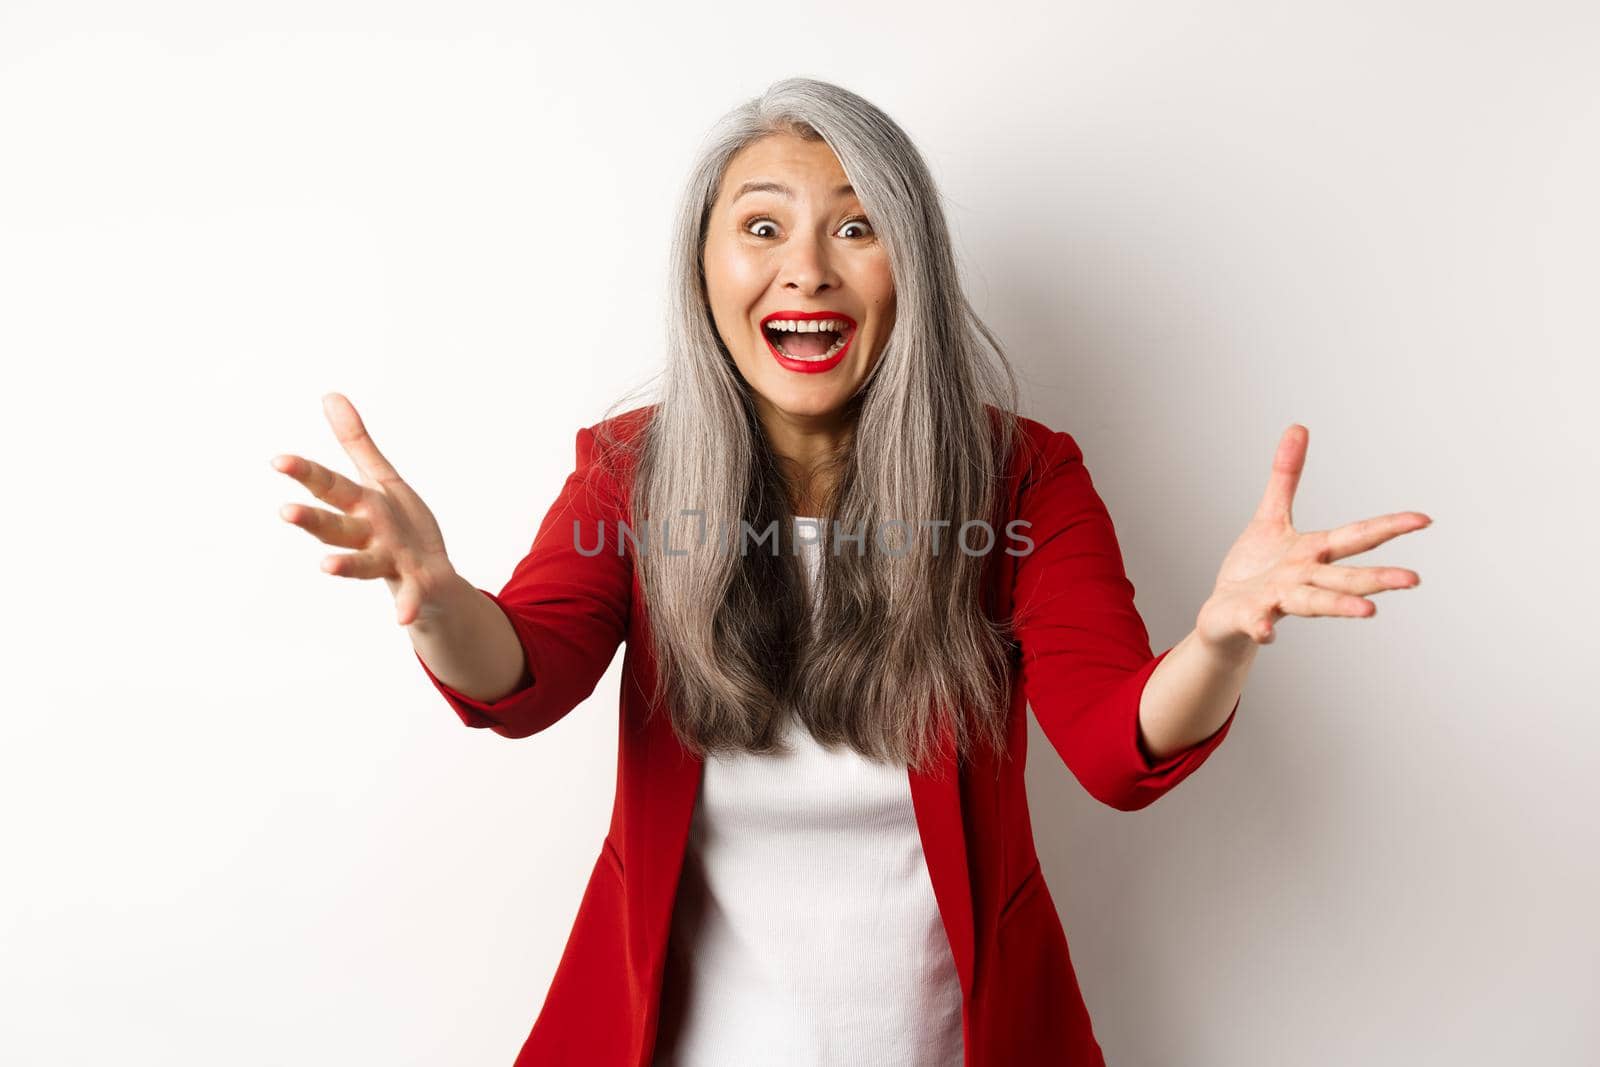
{"points": [[812, 341]]}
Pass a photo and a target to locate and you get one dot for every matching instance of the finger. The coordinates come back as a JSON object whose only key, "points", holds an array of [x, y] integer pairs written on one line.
{"points": [[353, 437], [359, 565], [1311, 601], [1277, 502], [326, 485], [1354, 538], [1359, 581], [345, 531]]}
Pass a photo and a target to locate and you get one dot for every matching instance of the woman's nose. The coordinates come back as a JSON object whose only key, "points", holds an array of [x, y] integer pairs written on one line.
{"points": [[806, 265]]}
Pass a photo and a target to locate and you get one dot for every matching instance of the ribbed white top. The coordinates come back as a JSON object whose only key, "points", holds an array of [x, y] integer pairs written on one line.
{"points": [[805, 930]]}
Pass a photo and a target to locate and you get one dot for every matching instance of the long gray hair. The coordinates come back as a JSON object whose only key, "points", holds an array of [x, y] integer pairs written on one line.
{"points": [[893, 652]]}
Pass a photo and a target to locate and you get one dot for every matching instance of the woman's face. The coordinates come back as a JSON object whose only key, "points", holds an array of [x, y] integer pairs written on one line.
{"points": [[787, 242]]}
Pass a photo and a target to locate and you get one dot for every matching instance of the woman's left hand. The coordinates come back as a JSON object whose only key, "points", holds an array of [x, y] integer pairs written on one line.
{"points": [[1274, 570]]}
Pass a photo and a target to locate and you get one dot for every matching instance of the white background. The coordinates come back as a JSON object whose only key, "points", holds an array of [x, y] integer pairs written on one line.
{"points": [[240, 827]]}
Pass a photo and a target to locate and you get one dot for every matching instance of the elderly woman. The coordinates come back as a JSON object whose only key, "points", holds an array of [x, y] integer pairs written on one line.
{"points": [[844, 566]]}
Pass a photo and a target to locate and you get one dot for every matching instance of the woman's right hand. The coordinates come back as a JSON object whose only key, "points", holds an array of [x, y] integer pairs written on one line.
{"points": [[395, 536]]}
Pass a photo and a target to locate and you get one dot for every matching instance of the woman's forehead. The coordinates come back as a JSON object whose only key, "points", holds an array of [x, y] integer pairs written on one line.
{"points": [[785, 166]]}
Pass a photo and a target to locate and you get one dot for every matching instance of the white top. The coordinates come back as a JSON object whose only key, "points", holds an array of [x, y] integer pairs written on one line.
{"points": [[805, 930]]}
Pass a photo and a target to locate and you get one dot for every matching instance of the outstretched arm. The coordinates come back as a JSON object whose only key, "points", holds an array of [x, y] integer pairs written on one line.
{"points": [[1086, 657], [567, 603]]}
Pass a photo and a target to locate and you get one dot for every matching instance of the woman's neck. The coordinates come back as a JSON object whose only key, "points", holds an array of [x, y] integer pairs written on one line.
{"points": [[805, 447]]}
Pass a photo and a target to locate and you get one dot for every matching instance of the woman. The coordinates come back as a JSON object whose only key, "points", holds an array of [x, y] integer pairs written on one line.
{"points": [[820, 849]]}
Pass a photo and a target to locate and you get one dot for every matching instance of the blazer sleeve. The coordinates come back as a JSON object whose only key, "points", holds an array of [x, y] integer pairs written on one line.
{"points": [[1085, 651], [569, 608]]}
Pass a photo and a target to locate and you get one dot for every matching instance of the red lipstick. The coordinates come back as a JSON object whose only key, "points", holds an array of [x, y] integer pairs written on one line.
{"points": [[809, 366]]}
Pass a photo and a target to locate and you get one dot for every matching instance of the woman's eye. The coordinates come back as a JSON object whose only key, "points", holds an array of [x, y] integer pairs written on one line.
{"points": [[757, 222], [857, 222]]}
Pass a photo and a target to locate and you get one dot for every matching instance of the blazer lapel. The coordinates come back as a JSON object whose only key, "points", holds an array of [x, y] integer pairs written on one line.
{"points": [[664, 811], [936, 798]]}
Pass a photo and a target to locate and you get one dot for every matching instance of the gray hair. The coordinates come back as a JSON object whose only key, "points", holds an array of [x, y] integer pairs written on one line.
{"points": [[888, 652]]}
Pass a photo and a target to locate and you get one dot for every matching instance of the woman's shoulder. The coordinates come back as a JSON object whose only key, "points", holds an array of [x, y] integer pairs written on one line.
{"points": [[1036, 448], [610, 448], [623, 432]]}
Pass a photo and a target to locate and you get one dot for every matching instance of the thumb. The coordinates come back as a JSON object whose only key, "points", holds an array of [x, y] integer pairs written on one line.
{"points": [[407, 605]]}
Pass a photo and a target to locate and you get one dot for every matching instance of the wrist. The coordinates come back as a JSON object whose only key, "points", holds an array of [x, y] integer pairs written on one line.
{"points": [[446, 596]]}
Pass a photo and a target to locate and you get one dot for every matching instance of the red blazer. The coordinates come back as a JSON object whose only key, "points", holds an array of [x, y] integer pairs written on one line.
{"points": [[1080, 659]]}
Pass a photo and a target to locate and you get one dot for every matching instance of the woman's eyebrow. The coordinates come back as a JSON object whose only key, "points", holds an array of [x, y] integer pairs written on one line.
{"points": [[759, 186]]}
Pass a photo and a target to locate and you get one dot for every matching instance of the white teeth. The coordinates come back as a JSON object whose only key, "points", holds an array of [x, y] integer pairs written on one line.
{"points": [[812, 326], [838, 326]]}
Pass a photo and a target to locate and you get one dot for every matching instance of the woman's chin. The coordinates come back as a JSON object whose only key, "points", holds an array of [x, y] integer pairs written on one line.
{"points": [[807, 400]]}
